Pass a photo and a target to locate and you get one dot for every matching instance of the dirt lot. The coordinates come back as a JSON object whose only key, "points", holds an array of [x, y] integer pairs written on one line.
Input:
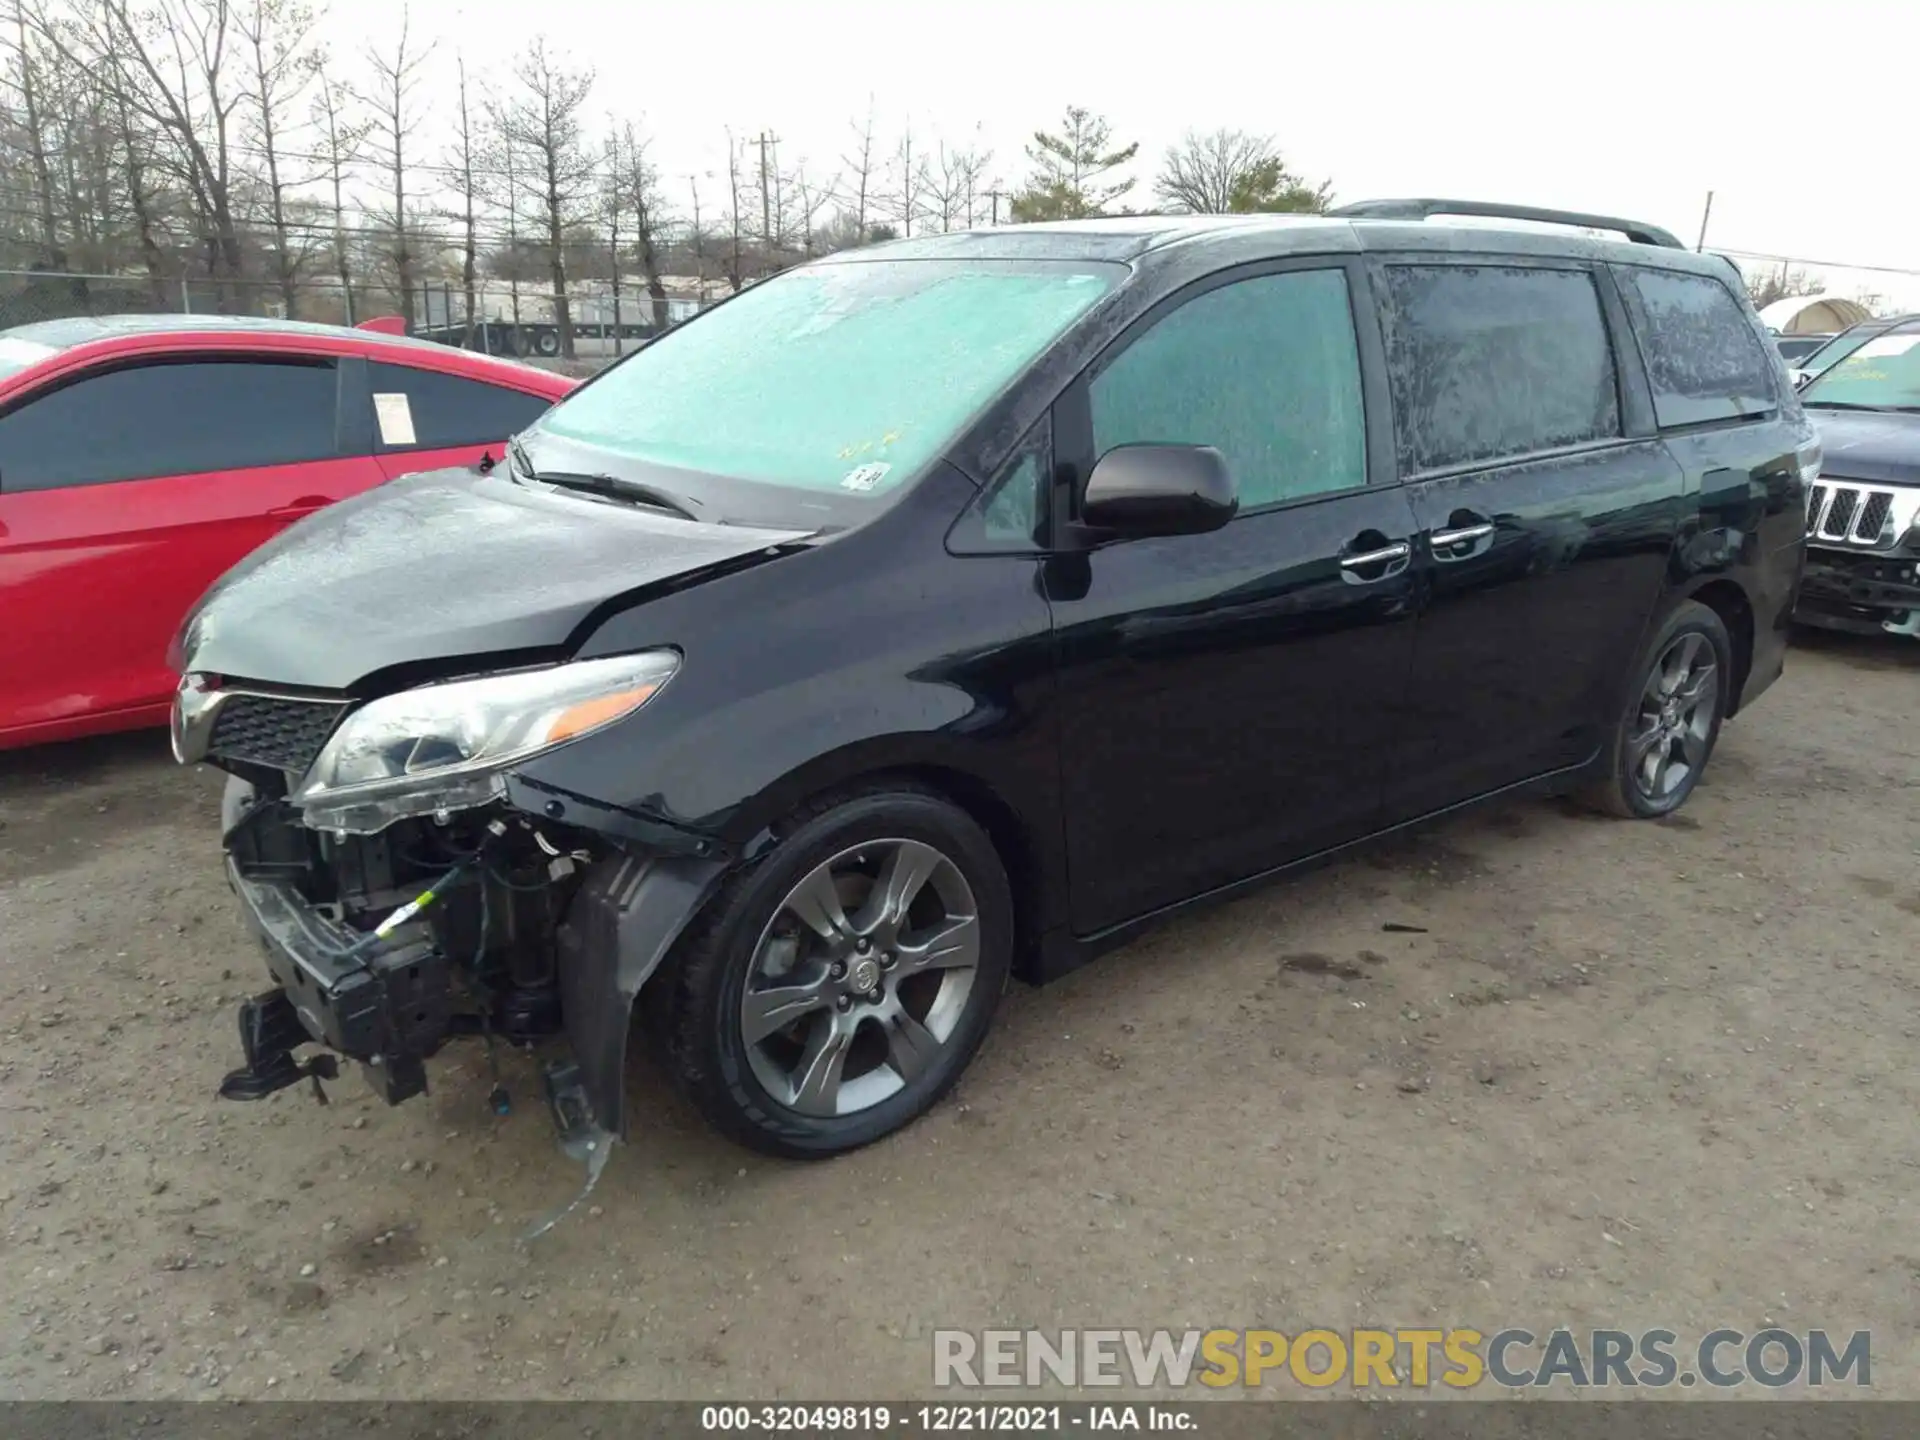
{"points": [[1629, 1075]]}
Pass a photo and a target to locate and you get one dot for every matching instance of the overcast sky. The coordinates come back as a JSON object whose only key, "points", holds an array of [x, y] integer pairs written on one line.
{"points": [[1624, 107]]}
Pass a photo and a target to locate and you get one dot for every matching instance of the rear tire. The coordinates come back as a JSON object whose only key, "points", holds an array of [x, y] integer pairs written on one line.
{"points": [[833, 992], [1670, 721]]}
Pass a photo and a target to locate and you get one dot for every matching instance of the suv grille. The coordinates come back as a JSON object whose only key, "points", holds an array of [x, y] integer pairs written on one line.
{"points": [[266, 730], [1848, 514]]}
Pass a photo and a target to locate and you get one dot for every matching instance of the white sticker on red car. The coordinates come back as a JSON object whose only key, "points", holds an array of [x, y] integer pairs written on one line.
{"points": [[395, 416]]}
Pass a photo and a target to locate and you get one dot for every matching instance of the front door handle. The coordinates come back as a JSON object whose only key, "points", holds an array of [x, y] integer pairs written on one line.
{"points": [[1459, 543], [1371, 566]]}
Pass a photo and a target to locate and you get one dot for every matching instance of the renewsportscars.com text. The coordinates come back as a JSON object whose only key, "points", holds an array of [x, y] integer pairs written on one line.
{"points": [[1417, 1358]]}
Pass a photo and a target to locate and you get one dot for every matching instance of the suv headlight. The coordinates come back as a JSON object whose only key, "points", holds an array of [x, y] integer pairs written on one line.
{"points": [[444, 747]]}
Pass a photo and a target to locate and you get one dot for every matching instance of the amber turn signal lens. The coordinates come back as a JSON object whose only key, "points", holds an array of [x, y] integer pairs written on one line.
{"points": [[601, 710]]}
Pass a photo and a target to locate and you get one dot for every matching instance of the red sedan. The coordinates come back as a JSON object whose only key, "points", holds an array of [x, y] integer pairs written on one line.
{"points": [[142, 455]]}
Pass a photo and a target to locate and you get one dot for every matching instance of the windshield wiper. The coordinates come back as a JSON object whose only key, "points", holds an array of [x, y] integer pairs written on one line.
{"points": [[1853, 405], [613, 488]]}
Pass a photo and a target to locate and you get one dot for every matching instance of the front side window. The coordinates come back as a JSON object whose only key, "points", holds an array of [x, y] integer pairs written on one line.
{"points": [[169, 419], [1264, 370], [441, 411], [1490, 363], [844, 378], [1703, 358], [1882, 374]]}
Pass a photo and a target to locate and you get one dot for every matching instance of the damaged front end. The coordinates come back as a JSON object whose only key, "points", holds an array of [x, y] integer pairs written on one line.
{"points": [[409, 888]]}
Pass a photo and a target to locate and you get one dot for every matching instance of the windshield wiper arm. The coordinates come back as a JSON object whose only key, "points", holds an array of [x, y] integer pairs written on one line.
{"points": [[1853, 405], [614, 488]]}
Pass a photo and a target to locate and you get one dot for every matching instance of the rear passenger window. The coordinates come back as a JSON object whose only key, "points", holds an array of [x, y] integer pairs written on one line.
{"points": [[447, 410], [1703, 358], [1489, 363], [1265, 370], [189, 418]]}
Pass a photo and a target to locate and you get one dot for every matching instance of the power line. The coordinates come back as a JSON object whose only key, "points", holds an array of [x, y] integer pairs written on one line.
{"points": [[1805, 260]]}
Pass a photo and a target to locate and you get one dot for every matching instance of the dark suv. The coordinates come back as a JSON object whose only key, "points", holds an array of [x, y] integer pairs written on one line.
{"points": [[949, 610], [1863, 517]]}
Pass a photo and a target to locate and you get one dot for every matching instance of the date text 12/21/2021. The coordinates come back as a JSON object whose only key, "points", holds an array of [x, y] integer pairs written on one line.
{"points": [[945, 1419]]}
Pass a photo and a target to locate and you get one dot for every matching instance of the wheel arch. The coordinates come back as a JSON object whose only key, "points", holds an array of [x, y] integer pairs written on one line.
{"points": [[1018, 836], [1728, 599]]}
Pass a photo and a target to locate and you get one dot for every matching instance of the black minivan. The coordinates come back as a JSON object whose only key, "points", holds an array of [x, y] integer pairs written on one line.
{"points": [[946, 611]]}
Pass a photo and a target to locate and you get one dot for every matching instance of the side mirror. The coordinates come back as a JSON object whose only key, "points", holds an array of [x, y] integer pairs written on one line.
{"points": [[1160, 490]]}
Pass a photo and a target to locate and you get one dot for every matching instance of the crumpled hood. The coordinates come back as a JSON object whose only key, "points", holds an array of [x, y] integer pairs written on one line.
{"points": [[439, 566], [1872, 446]]}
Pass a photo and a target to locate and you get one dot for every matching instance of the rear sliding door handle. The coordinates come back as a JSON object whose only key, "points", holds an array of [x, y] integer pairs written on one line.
{"points": [[1372, 565], [1443, 541]]}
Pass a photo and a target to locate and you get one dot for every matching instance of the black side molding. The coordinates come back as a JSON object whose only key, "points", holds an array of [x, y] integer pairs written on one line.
{"points": [[1634, 230]]}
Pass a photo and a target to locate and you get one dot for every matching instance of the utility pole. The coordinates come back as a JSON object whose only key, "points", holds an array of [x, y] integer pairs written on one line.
{"points": [[766, 193], [994, 195], [1705, 215], [699, 238]]}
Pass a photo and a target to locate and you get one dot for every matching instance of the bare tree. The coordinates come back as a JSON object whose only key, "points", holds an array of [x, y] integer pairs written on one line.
{"points": [[284, 62], [1786, 283], [735, 279], [614, 209], [168, 64], [463, 179], [648, 207], [862, 170], [1226, 172], [909, 178], [697, 236], [27, 66], [810, 200], [341, 137], [396, 78], [951, 180], [132, 143], [543, 125]]}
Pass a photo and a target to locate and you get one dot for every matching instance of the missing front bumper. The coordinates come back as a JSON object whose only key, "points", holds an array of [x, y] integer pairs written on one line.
{"points": [[1863, 594], [387, 1006], [391, 1006]]}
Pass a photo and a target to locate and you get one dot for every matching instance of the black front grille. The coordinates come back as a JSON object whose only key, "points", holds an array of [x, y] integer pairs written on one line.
{"points": [[1840, 514], [266, 730], [1874, 518]]}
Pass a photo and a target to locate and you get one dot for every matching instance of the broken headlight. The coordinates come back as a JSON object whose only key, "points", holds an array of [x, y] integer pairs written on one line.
{"points": [[445, 746]]}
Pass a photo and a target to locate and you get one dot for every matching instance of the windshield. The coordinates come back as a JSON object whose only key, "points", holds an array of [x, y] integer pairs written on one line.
{"points": [[843, 378], [1883, 374], [1835, 350]]}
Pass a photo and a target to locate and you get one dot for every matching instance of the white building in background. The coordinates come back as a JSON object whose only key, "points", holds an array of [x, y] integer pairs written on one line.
{"points": [[1813, 315]]}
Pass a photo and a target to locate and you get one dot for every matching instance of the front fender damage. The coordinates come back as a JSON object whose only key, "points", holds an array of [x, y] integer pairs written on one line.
{"points": [[623, 921]]}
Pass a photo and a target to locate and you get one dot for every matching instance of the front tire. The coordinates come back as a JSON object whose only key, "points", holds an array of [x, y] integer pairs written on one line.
{"points": [[1671, 721], [835, 990]]}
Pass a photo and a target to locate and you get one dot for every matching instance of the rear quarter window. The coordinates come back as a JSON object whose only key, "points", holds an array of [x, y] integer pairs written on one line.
{"points": [[1704, 359], [445, 411]]}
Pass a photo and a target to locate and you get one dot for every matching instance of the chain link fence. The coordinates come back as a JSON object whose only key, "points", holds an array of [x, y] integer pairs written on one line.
{"points": [[517, 321]]}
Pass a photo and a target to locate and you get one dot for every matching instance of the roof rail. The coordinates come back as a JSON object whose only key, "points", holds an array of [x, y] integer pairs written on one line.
{"points": [[1638, 233]]}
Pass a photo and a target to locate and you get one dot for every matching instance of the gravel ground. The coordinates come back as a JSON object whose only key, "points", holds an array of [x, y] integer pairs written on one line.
{"points": [[1623, 1075]]}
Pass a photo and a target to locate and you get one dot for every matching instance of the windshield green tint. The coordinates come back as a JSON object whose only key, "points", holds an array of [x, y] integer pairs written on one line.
{"points": [[845, 377], [1882, 374]]}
